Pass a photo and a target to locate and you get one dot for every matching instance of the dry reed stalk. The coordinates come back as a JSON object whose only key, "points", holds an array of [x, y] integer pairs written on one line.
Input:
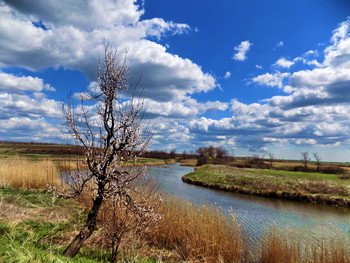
{"points": [[198, 234], [27, 174], [71, 165], [279, 246]]}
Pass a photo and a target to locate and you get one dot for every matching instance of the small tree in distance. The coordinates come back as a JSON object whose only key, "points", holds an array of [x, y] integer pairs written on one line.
{"points": [[305, 158], [318, 160], [271, 158], [110, 138]]}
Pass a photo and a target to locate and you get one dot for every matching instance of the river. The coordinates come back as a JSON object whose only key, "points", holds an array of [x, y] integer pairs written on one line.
{"points": [[256, 213]]}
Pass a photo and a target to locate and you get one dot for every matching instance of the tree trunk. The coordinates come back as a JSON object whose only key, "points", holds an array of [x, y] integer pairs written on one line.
{"points": [[87, 230], [115, 248]]}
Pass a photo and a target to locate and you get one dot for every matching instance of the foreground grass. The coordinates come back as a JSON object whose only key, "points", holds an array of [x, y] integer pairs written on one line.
{"points": [[36, 227], [29, 223], [313, 187]]}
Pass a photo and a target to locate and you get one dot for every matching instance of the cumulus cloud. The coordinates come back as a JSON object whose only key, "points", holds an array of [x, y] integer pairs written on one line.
{"points": [[47, 34], [37, 105], [314, 114], [284, 63], [76, 43], [271, 80], [187, 108], [19, 84], [74, 13], [242, 50], [29, 129]]}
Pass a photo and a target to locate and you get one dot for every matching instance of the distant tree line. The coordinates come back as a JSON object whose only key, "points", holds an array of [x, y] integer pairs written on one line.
{"points": [[169, 155]]}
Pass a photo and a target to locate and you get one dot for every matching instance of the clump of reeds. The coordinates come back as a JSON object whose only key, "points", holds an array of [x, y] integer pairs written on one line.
{"points": [[28, 174], [198, 233], [279, 245], [71, 164]]}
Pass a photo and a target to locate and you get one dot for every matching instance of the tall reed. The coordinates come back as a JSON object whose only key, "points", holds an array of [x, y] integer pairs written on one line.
{"points": [[198, 233], [28, 174], [279, 245]]}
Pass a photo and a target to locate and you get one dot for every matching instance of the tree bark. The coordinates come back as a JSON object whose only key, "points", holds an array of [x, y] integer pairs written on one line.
{"points": [[87, 230]]}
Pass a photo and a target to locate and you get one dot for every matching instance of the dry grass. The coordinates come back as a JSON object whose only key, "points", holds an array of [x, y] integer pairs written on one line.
{"points": [[26, 174], [279, 245], [71, 164], [198, 234], [189, 162]]}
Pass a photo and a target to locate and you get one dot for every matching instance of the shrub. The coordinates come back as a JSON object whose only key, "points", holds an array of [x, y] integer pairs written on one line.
{"points": [[332, 169]]}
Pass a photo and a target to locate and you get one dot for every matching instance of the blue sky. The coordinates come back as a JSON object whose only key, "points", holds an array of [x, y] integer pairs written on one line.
{"points": [[250, 76]]}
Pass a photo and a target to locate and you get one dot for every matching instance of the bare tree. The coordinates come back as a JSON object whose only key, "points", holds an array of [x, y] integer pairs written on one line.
{"points": [[110, 137], [305, 158], [120, 215], [318, 160], [271, 158]]}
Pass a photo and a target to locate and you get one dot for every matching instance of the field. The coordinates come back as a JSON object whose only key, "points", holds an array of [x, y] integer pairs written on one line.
{"points": [[312, 187], [36, 225], [41, 151]]}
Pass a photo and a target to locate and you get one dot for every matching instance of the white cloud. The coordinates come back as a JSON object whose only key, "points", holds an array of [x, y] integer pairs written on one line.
{"points": [[338, 54], [31, 129], [305, 141], [284, 63], [37, 105], [181, 109], [20, 84], [272, 80], [100, 14], [227, 75], [259, 66], [76, 44], [242, 50], [314, 114]]}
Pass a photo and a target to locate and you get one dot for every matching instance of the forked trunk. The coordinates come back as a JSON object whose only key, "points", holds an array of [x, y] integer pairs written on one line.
{"points": [[87, 230], [74, 247]]}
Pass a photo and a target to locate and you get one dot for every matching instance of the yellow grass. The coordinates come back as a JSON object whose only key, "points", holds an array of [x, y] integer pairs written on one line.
{"points": [[27, 174], [71, 164], [198, 233], [189, 162], [279, 245]]}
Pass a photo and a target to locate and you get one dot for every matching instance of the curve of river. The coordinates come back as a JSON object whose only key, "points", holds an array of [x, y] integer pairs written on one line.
{"points": [[256, 213]]}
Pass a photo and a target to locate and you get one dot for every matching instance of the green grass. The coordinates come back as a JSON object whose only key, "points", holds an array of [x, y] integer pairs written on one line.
{"points": [[297, 175], [29, 226], [36, 227], [272, 181]]}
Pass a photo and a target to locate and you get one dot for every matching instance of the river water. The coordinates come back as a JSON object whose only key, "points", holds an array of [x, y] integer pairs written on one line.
{"points": [[256, 214]]}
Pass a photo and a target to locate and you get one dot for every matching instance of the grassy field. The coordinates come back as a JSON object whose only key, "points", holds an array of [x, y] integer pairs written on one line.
{"points": [[36, 226], [313, 187]]}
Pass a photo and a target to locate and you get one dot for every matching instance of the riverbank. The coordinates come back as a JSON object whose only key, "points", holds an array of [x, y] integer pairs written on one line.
{"points": [[307, 187], [35, 227]]}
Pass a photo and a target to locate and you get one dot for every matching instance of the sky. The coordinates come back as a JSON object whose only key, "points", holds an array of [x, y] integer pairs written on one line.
{"points": [[250, 76]]}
